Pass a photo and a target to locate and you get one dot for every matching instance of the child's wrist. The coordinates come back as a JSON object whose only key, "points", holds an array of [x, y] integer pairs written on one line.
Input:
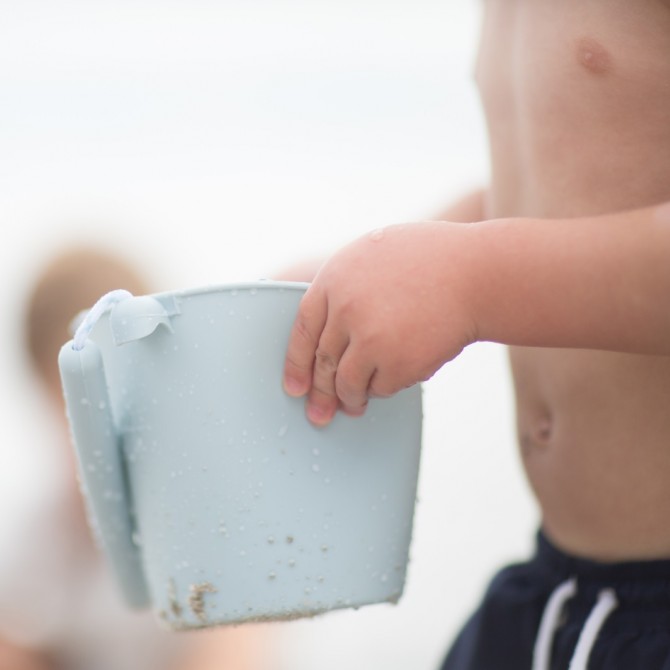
{"points": [[483, 288]]}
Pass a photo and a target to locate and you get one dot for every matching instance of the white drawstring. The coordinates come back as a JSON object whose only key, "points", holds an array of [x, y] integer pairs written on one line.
{"points": [[605, 605], [550, 622]]}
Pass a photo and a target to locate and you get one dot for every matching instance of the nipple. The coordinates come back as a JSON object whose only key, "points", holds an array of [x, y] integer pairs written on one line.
{"points": [[593, 56]]}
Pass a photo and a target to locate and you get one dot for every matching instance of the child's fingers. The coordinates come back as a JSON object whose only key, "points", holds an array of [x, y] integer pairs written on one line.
{"points": [[321, 407], [302, 344], [352, 381], [322, 401]]}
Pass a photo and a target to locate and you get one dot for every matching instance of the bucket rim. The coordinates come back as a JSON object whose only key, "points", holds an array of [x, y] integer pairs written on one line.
{"points": [[228, 287]]}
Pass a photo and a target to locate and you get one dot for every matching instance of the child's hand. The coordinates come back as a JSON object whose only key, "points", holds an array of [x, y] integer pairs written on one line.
{"points": [[384, 313]]}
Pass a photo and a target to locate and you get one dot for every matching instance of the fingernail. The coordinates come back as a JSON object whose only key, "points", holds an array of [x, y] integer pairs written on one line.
{"points": [[354, 411], [294, 387], [319, 416]]}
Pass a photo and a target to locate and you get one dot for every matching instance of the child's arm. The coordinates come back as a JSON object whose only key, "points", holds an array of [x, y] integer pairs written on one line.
{"points": [[595, 283], [390, 309]]}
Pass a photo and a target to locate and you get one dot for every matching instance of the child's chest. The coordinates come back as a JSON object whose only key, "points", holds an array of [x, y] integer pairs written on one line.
{"points": [[577, 101]]}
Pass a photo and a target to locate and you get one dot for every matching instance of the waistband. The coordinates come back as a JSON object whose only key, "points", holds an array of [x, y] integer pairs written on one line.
{"points": [[629, 596], [637, 580]]}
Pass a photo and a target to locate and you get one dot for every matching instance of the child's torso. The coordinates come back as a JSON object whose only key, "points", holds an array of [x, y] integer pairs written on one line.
{"points": [[577, 100]]}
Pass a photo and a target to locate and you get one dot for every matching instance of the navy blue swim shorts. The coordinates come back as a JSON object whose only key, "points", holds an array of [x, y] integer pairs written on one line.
{"points": [[557, 612]]}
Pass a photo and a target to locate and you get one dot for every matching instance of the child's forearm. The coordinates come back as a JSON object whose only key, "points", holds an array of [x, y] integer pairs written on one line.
{"points": [[389, 309], [600, 282]]}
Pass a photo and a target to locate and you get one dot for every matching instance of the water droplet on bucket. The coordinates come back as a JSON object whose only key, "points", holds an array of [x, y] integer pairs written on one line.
{"points": [[282, 431], [315, 467], [272, 575]]}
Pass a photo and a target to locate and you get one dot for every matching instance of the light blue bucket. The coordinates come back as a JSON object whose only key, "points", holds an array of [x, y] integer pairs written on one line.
{"points": [[214, 498]]}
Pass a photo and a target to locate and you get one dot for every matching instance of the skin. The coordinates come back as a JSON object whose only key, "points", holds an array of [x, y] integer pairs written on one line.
{"points": [[566, 260]]}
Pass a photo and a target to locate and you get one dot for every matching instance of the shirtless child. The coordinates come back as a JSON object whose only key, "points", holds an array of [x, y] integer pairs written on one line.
{"points": [[568, 263]]}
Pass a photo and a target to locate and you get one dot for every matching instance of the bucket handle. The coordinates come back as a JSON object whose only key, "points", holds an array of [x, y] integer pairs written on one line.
{"points": [[97, 443]]}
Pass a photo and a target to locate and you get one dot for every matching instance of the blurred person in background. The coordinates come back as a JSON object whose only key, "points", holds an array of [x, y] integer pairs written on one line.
{"points": [[60, 608]]}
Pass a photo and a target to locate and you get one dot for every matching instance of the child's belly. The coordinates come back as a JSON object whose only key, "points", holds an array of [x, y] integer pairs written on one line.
{"points": [[594, 431]]}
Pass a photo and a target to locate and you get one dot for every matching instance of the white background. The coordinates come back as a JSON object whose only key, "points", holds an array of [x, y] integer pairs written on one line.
{"points": [[221, 141]]}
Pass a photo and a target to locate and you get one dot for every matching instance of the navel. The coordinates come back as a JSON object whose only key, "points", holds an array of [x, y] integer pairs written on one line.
{"points": [[536, 436], [593, 56]]}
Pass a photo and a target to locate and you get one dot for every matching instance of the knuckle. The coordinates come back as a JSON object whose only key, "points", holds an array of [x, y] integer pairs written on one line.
{"points": [[295, 366], [302, 330], [323, 381], [322, 390], [323, 399], [325, 361]]}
